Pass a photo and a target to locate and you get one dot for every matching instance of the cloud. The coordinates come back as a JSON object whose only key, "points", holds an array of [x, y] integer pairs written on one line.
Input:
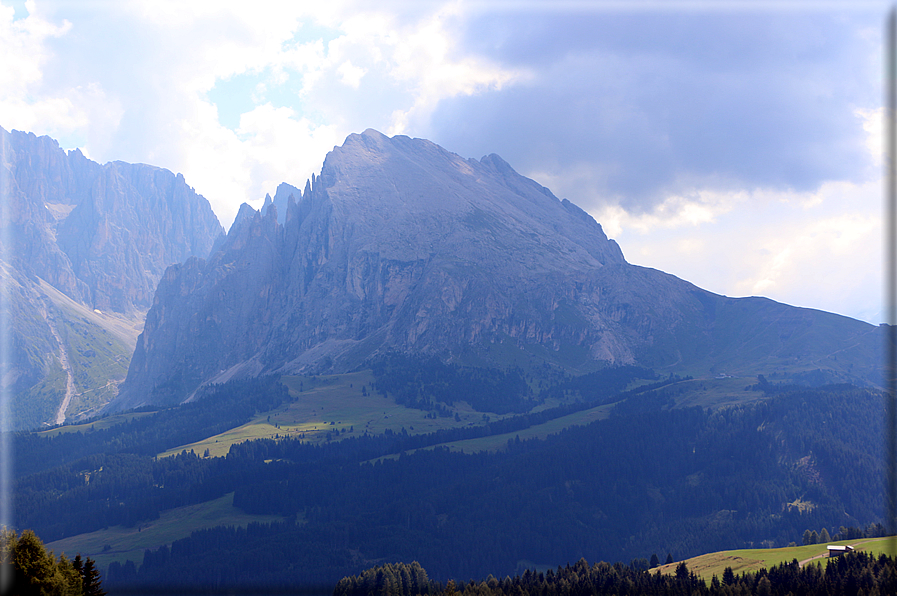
{"points": [[656, 104], [409, 65], [23, 105], [350, 74], [818, 249]]}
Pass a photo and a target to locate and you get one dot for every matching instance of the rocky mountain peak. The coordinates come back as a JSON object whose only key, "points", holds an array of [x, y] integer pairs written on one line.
{"points": [[402, 246], [410, 194]]}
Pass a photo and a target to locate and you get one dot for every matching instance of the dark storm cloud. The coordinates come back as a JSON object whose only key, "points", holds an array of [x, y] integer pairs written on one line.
{"points": [[656, 102]]}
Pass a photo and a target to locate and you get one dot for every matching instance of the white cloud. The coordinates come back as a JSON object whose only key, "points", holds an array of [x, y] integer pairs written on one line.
{"points": [[873, 124], [23, 46], [821, 250], [350, 74], [426, 59], [271, 145], [409, 65]]}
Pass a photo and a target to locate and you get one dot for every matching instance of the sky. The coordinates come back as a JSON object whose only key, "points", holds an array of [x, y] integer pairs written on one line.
{"points": [[736, 145]]}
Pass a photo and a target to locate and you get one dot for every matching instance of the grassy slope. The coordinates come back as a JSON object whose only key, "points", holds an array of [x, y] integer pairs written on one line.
{"points": [[100, 424], [34, 406], [749, 560], [338, 399], [792, 340], [330, 403], [99, 347], [539, 431], [129, 543]]}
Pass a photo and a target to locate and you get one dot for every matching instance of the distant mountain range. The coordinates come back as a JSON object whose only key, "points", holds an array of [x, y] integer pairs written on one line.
{"points": [[83, 247], [400, 246]]}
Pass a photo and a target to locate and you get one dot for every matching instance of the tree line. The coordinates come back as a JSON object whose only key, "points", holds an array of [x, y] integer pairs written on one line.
{"points": [[855, 574]]}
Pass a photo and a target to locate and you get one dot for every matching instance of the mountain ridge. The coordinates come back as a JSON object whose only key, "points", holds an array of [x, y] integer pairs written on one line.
{"points": [[401, 245]]}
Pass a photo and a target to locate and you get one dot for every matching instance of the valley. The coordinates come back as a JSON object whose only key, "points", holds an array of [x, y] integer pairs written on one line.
{"points": [[121, 544]]}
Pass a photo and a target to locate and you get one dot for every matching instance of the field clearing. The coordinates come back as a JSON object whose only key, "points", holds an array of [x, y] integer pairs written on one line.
{"points": [[537, 431], [717, 392], [706, 393], [751, 560], [174, 524], [345, 404], [95, 425]]}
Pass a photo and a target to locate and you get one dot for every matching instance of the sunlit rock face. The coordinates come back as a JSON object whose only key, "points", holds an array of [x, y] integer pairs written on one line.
{"points": [[400, 245], [81, 239]]}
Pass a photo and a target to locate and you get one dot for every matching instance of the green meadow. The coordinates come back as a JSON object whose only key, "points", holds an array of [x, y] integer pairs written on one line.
{"points": [[324, 405], [751, 560], [120, 543], [98, 424]]}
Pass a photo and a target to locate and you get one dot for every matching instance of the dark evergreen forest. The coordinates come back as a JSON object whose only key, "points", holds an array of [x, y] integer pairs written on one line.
{"points": [[649, 479], [856, 574]]}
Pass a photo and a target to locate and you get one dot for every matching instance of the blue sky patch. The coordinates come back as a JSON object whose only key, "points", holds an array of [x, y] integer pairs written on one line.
{"points": [[19, 7], [234, 96]]}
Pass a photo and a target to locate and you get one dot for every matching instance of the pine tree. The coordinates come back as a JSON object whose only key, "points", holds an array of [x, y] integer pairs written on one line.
{"points": [[682, 571], [654, 561], [669, 559], [90, 579], [728, 576], [824, 536]]}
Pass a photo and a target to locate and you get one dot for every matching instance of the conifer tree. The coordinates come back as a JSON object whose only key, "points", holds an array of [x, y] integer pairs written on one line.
{"points": [[728, 576], [682, 571], [90, 579]]}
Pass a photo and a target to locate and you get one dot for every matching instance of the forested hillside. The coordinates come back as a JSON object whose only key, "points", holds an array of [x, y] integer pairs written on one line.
{"points": [[649, 479]]}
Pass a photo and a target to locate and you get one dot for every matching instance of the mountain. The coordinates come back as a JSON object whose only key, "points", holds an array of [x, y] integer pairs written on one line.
{"points": [[82, 247], [402, 246]]}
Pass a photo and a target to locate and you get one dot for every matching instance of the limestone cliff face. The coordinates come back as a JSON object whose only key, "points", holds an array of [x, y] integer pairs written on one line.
{"points": [[81, 239], [400, 245], [103, 234]]}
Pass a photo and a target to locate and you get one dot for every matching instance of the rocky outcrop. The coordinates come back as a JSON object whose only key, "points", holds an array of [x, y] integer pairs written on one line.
{"points": [[102, 235], [402, 246]]}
